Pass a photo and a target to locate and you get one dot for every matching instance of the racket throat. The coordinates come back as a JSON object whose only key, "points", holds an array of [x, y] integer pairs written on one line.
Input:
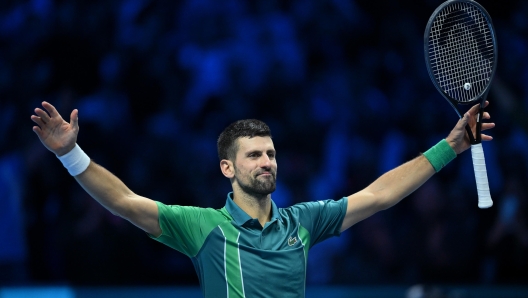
{"points": [[477, 138], [472, 139]]}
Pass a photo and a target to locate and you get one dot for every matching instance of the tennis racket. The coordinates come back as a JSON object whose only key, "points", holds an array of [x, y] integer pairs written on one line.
{"points": [[461, 57]]}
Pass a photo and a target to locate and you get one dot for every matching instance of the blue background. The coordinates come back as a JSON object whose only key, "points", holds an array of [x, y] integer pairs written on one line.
{"points": [[344, 88]]}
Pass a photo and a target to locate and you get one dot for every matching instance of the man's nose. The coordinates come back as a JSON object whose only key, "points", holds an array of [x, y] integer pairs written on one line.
{"points": [[265, 161]]}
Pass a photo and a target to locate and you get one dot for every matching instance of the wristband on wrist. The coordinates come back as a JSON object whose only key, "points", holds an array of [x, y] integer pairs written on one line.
{"points": [[440, 155], [75, 161]]}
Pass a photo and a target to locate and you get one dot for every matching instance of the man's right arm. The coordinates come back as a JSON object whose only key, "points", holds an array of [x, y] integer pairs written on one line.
{"points": [[60, 137], [115, 196]]}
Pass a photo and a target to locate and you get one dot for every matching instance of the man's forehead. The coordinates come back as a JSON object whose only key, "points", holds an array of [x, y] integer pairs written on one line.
{"points": [[255, 143]]}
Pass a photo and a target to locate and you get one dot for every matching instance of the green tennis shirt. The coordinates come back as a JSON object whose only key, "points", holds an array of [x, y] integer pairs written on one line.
{"points": [[234, 256]]}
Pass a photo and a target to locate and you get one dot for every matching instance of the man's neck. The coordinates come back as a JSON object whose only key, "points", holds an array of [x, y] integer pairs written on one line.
{"points": [[256, 207]]}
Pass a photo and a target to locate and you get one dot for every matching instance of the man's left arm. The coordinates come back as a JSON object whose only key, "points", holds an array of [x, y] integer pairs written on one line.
{"points": [[393, 186]]}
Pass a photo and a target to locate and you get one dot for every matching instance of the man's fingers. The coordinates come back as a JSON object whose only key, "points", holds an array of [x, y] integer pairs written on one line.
{"points": [[43, 115], [486, 126], [37, 130], [486, 137], [51, 109], [38, 120], [74, 119], [474, 109]]}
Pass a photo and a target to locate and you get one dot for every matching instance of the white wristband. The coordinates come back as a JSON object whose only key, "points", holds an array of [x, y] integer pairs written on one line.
{"points": [[75, 161]]}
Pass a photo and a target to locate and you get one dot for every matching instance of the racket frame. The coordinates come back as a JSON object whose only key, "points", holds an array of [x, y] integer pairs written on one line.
{"points": [[480, 98]]}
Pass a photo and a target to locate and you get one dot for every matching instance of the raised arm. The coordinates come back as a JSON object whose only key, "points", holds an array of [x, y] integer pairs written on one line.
{"points": [[60, 137], [393, 186]]}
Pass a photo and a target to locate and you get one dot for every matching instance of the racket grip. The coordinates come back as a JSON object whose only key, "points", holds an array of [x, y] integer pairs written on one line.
{"points": [[481, 176]]}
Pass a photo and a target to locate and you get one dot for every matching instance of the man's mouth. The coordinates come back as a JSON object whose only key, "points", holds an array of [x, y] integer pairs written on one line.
{"points": [[265, 174]]}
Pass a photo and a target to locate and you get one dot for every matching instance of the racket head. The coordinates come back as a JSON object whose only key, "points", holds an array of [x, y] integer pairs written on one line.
{"points": [[461, 51]]}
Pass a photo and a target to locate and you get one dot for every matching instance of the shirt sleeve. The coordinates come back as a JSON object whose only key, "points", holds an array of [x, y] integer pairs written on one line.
{"points": [[185, 228], [322, 219]]}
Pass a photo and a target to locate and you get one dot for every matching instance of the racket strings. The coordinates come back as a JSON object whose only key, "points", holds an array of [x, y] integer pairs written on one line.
{"points": [[461, 51], [467, 65]]}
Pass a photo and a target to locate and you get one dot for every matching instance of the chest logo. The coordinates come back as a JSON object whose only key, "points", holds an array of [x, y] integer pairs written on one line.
{"points": [[292, 241]]}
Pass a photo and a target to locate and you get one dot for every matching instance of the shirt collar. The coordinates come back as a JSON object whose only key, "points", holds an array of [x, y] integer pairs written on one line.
{"points": [[240, 216]]}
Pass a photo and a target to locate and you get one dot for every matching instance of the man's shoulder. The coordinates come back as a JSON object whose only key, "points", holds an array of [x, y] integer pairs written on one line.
{"points": [[310, 204], [195, 211], [320, 205]]}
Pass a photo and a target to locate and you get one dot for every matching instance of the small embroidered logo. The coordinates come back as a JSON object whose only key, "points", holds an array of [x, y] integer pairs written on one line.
{"points": [[292, 241]]}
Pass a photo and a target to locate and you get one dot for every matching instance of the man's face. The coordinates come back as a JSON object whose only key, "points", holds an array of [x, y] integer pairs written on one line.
{"points": [[255, 165]]}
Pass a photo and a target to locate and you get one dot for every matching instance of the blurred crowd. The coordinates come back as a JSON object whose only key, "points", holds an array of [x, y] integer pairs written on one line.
{"points": [[344, 88]]}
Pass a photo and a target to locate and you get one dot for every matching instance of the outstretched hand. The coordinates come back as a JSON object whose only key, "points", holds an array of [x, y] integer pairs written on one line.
{"points": [[458, 138], [56, 134]]}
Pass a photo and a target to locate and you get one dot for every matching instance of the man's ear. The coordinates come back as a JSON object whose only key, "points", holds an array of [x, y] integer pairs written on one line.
{"points": [[227, 168]]}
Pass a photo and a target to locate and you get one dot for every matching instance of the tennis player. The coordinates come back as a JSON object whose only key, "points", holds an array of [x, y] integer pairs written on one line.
{"points": [[249, 248]]}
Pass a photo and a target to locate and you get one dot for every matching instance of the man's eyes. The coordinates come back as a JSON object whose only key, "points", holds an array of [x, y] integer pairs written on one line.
{"points": [[258, 154], [254, 154]]}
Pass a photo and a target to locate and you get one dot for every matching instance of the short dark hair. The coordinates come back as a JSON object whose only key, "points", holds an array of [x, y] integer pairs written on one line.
{"points": [[227, 145]]}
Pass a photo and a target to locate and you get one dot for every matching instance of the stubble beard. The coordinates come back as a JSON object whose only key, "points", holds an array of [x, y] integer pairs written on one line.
{"points": [[259, 186]]}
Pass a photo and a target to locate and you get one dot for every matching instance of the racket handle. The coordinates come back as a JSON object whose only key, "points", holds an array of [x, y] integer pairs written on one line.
{"points": [[481, 176]]}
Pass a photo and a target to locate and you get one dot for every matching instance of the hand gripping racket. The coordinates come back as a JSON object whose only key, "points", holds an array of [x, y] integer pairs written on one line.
{"points": [[461, 57]]}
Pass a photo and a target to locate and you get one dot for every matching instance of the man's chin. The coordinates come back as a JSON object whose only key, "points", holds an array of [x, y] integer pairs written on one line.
{"points": [[265, 189]]}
